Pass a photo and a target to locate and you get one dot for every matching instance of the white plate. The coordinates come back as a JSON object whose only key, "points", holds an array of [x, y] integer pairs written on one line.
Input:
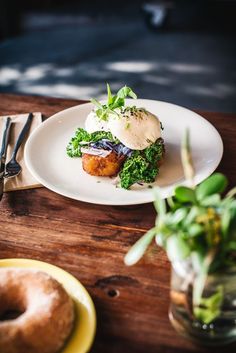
{"points": [[46, 158]]}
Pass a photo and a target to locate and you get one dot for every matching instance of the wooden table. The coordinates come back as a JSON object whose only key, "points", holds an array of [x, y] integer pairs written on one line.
{"points": [[90, 242]]}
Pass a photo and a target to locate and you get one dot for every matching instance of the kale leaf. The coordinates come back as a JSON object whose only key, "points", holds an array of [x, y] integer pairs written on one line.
{"points": [[142, 166], [82, 136]]}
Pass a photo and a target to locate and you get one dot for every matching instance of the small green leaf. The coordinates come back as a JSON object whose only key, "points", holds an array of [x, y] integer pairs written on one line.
{"points": [[118, 102], [185, 194], [170, 202], [212, 200], [99, 113], [178, 216], [228, 220], [109, 95], [160, 239], [216, 183], [126, 92], [225, 221], [159, 205], [195, 229], [132, 94], [96, 103], [177, 249], [138, 249], [193, 213]]}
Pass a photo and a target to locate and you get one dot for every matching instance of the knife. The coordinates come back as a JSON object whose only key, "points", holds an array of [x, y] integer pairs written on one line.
{"points": [[5, 138]]}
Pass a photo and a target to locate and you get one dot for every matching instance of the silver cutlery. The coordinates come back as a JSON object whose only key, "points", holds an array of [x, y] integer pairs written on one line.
{"points": [[3, 153], [13, 168]]}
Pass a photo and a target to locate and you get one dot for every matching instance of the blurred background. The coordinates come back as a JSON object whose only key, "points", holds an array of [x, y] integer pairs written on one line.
{"points": [[179, 51]]}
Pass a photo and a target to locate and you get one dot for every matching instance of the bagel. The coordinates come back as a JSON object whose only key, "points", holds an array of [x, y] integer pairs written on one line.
{"points": [[36, 313]]}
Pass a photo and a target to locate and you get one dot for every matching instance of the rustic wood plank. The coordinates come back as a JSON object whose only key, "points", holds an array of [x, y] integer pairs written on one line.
{"points": [[17, 104], [90, 242]]}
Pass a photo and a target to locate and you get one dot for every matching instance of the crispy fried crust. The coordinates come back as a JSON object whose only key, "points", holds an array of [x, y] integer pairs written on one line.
{"points": [[102, 166]]}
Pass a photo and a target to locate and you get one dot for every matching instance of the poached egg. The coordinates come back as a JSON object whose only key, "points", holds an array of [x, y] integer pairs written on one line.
{"points": [[136, 129]]}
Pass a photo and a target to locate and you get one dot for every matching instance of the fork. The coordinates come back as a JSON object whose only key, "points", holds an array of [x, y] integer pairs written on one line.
{"points": [[13, 168]]}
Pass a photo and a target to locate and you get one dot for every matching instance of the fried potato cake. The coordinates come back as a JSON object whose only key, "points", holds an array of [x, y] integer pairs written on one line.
{"points": [[102, 166]]}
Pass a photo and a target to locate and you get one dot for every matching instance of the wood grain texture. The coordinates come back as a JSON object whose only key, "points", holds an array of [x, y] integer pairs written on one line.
{"points": [[90, 242]]}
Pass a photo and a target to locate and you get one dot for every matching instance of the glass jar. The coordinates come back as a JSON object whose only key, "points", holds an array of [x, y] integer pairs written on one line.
{"points": [[220, 330]]}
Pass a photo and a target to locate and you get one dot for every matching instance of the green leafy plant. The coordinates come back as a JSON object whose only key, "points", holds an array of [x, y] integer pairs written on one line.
{"points": [[200, 225]]}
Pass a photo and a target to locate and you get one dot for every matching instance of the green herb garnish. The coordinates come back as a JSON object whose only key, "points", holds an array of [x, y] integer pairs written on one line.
{"points": [[113, 102]]}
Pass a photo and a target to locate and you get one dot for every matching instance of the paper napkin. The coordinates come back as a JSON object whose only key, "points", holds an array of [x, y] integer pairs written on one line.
{"points": [[24, 180]]}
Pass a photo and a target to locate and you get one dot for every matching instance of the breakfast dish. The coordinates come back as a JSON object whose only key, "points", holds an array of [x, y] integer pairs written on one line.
{"points": [[36, 313], [48, 162], [120, 139]]}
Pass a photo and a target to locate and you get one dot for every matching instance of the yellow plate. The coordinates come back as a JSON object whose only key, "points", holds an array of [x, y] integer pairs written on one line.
{"points": [[85, 326]]}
